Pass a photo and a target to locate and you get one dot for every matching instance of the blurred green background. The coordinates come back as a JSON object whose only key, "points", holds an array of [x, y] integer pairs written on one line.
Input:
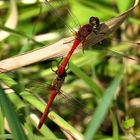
{"points": [[101, 86]]}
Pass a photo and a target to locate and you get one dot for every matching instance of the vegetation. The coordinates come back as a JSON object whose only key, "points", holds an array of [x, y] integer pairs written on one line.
{"points": [[102, 86]]}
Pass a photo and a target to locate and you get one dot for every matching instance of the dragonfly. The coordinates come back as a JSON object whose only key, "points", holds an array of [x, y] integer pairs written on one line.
{"points": [[54, 89], [81, 35]]}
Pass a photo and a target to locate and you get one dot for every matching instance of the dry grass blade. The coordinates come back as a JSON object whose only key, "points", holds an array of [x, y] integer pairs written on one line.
{"points": [[11, 21], [60, 48]]}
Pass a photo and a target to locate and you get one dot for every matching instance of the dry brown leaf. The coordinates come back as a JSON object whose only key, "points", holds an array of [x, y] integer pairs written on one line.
{"points": [[11, 21]]}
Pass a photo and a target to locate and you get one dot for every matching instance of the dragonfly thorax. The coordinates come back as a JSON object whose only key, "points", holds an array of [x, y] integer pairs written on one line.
{"points": [[83, 32], [86, 29]]}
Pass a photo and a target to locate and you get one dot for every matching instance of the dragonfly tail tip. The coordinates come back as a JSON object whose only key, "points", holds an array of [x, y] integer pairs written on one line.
{"points": [[39, 125]]}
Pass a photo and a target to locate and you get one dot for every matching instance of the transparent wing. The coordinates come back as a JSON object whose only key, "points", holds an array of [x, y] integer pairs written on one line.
{"points": [[116, 48], [56, 13]]}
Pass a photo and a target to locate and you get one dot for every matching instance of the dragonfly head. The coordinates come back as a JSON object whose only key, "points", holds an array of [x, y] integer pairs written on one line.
{"points": [[94, 21]]}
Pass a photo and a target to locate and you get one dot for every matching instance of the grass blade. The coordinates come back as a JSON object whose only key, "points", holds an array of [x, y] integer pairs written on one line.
{"points": [[87, 79], [103, 107], [13, 121], [115, 127]]}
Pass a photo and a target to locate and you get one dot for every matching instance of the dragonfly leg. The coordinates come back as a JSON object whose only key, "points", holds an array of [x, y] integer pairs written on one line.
{"points": [[58, 62], [67, 67], [53, 69], [68, 41]]}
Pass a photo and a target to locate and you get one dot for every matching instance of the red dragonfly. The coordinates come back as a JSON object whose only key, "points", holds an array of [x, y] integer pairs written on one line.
{"points": [[55, 89], [81, 35]]}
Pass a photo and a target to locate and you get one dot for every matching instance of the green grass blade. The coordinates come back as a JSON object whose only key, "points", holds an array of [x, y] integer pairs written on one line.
{"points": [[13, 121], [19, 33], [87, 79], [115, 127], [1, 126], [5, 136], [103, 107], [65, 126]]}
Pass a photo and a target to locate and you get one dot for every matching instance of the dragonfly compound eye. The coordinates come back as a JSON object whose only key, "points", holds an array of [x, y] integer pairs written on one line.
{"points": [[94, 21]]}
